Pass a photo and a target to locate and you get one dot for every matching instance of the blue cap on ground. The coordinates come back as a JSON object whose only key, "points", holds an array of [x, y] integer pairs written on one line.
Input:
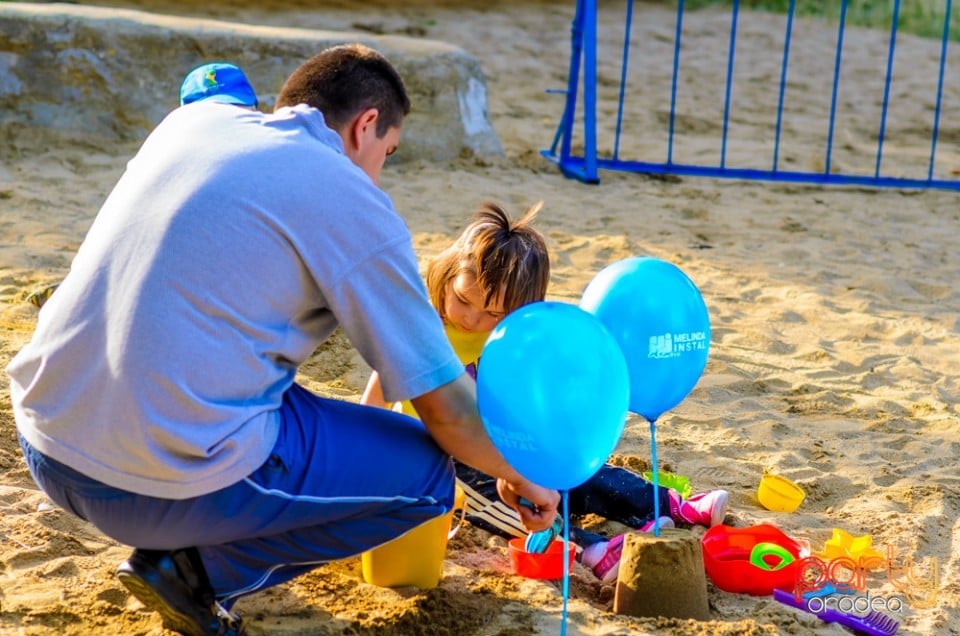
{"points": [[219, 82]]}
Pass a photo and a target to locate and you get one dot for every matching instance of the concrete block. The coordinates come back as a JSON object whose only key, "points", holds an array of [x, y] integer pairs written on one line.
{"points": [[87, 70]]}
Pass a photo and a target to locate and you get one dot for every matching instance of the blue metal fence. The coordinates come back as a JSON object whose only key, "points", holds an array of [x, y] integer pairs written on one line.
{"points": [[583, 63]]}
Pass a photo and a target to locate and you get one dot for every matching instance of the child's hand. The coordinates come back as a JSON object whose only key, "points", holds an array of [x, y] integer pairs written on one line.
{"points": [[541, 514]]}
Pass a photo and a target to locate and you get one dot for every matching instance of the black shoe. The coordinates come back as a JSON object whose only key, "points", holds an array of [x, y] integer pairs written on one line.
{"points": [[175, 584]]}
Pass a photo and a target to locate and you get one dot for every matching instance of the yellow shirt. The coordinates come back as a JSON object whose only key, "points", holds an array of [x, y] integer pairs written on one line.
{"points": [[468, 346]]}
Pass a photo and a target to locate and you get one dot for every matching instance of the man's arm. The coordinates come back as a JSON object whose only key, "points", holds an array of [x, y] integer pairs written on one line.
{"points": [[450, 415]]}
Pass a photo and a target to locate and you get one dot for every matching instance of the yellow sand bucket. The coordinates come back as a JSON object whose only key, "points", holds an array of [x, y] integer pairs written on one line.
{"points": [[415, 558], [779, 494]]}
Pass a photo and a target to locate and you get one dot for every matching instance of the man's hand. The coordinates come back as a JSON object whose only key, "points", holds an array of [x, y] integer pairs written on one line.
{"points": [[545, 503], [450, 414]]}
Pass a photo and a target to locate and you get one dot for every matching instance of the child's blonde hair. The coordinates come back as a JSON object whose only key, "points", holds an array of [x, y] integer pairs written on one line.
{"points": [[508, 259]]}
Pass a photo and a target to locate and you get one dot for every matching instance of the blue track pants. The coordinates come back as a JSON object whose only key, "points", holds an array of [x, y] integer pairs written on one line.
{"points": [[341, 479]]}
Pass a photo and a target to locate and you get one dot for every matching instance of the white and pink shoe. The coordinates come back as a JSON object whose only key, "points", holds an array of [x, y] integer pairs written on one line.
{"points": [[665, 522], [604, 560], [703, 509], [607, 567]]}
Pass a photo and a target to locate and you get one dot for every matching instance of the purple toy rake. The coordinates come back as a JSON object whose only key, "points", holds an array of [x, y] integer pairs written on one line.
{"points": [[873, 624]]}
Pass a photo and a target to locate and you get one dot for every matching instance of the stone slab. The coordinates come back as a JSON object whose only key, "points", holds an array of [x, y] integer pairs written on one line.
{"points": [[115, 72]]}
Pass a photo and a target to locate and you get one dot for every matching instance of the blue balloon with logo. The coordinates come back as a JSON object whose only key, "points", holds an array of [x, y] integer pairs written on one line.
{"points": [[553, 392], [660, 320]]}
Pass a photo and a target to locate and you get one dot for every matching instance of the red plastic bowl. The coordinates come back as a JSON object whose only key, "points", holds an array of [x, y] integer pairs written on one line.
{"points": [[726, 559], [545, 565]]}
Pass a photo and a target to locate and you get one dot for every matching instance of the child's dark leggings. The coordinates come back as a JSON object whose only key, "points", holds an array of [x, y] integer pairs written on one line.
{"points": [[613, 493]]}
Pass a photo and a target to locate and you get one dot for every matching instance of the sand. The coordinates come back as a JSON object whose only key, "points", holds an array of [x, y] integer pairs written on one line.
{"points": [[834, 314]]}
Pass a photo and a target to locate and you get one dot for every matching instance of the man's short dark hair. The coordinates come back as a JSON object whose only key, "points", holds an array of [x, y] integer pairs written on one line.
{"points": [[343, 81]]}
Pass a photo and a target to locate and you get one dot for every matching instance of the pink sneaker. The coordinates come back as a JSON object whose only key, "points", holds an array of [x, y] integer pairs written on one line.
{"points": [[608, 567], [704, 509], [665, 522]]}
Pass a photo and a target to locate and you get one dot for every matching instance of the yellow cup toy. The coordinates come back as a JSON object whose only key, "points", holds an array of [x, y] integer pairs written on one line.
{"points": [[415, 558], [779, 494]]}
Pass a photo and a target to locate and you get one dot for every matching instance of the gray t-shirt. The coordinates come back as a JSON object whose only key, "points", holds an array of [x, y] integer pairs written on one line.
{"points": [[232, 246]]}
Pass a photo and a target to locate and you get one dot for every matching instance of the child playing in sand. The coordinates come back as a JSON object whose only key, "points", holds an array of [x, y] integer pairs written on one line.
{"points": [[494, 267]]}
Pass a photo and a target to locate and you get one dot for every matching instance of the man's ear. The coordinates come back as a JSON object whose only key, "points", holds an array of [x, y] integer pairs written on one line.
{"points": [[363, 125]]}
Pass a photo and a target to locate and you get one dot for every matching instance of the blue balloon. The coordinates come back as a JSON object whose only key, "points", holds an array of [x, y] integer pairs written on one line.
{"points": [[553, 391], [658, 317]]}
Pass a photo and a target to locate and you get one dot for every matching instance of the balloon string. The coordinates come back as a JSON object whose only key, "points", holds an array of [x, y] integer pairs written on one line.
{"points": [[656, 478], [566, 561]]}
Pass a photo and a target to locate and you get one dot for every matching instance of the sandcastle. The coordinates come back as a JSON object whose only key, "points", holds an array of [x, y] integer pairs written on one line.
{"points": [[662, 576]]}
